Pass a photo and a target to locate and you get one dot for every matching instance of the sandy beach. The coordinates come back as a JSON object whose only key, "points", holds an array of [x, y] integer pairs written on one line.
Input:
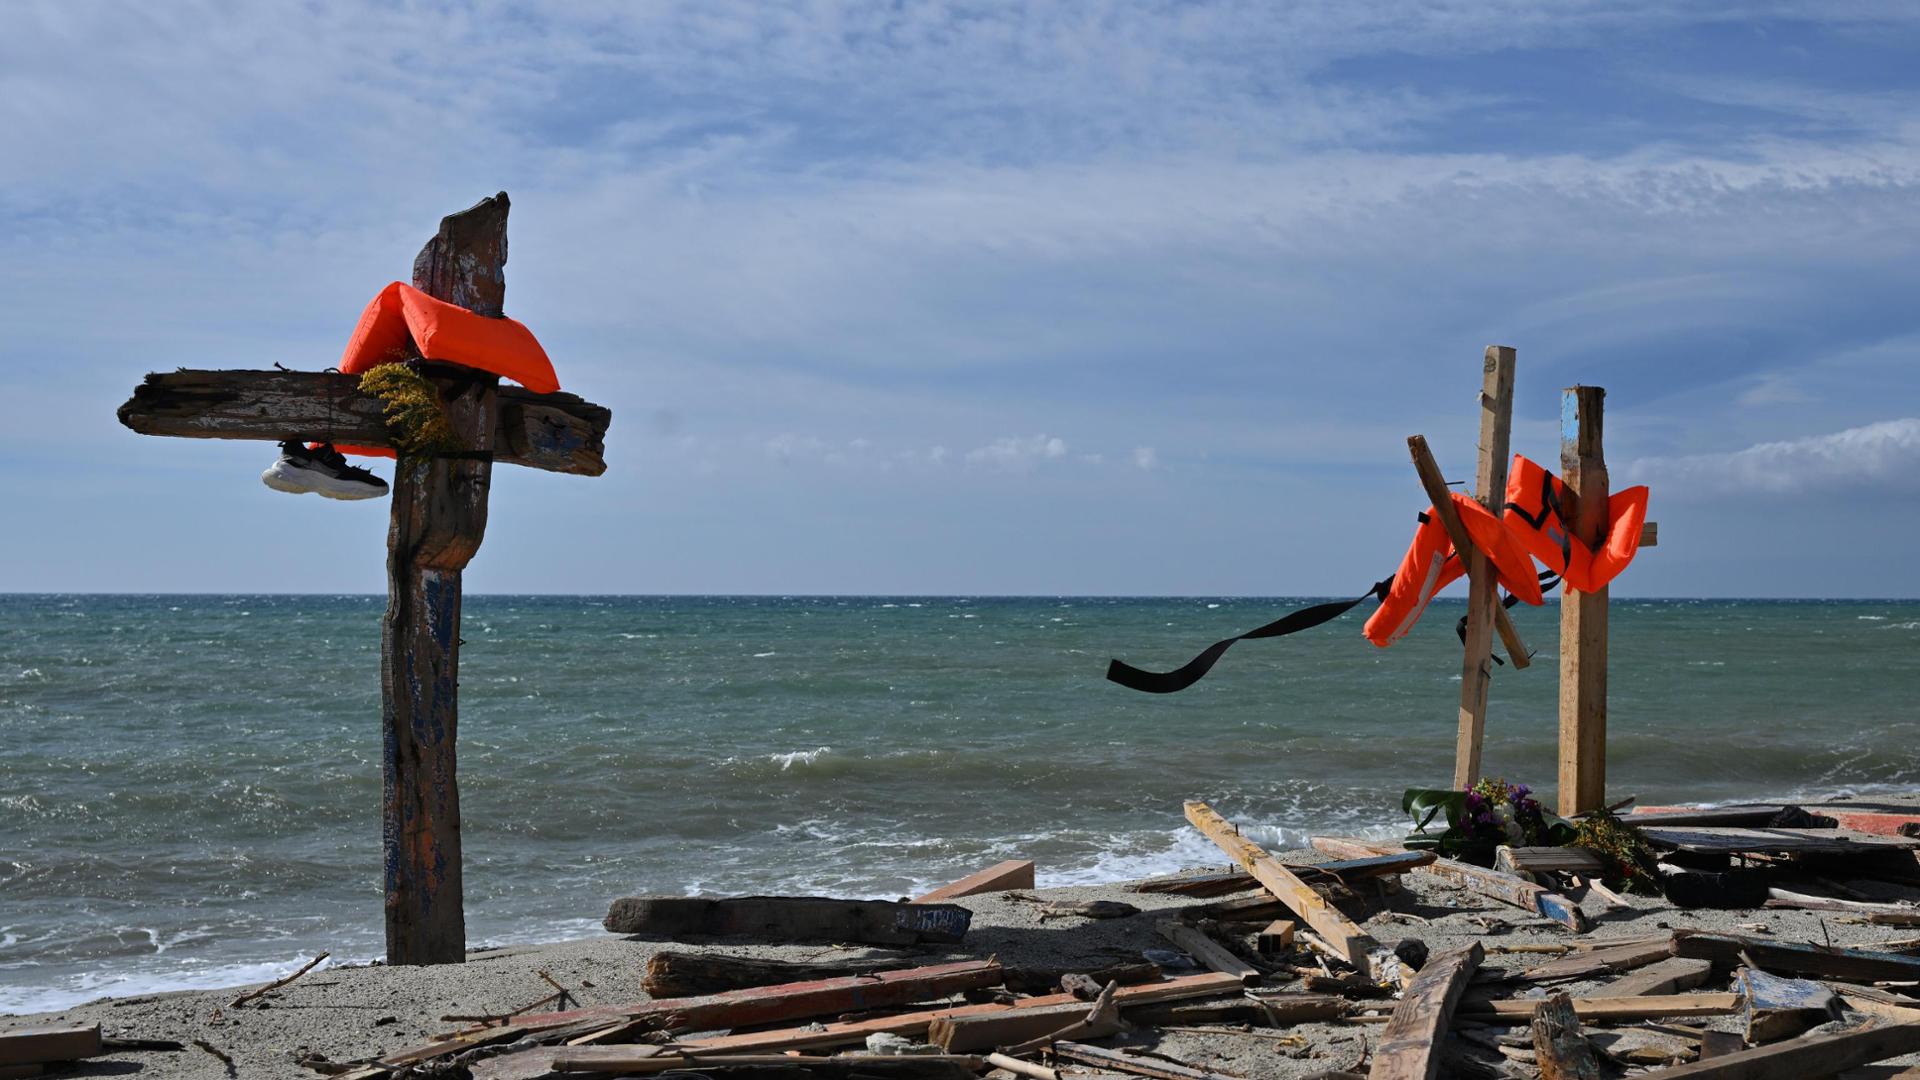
{"points": [[347, 1014]]}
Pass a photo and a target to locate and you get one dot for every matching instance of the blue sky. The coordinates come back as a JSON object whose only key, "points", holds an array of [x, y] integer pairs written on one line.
{"points": [[985, 298]]}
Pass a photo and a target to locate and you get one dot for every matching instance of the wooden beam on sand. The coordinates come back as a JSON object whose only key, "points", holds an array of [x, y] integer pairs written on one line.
{"points": [[1409, 1047], [684, 974], [1121, 1060], [1435, 483], [1669, 976], [1483, 591], [789, 918], [1209, 953], [1820, 1055], [1583, 615], [1031, 1020], [1614, 1009], [1477, 879], [1347, 938], [1793, 958], [40, 1045], [1626, 956], [1000, 877], [647, 1060]]}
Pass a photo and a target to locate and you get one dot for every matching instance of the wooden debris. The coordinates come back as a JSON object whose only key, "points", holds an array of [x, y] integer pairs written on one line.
{"points": [[1901, 914], [1048, 980], [276, 984], [1732, 841], [640, 1061], [1137, 1064], [1027, 1020], [1779, 1008], [681, 974], [1000, 877], [1252, 909], [1624, 957], [1478, 879], [1560, 1049], [38, 1045], [1276, 939], [1199, 885], [1646, 1007], [1354, 944], [1669, 976], [1852, 965], [789, 918], [1209, 953], [1410, 1044], [1086, 909], [1021, 1067], [1715, 1044], [1524, 862], [1342, 870], [1799, 1059], [1100, 1021]]}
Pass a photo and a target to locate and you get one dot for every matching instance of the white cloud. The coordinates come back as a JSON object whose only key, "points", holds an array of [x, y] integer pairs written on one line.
{"points": [[1886, 453], [1773, 389], [1018, 453], [1145, 457]]}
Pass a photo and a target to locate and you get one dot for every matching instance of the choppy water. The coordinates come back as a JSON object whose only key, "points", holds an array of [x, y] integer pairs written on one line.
{"points": [[189, 786]]}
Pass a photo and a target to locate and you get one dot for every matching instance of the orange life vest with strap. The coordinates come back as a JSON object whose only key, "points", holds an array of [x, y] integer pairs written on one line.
{"points": [[1431, 565], [402, 323], [1536, 517]]}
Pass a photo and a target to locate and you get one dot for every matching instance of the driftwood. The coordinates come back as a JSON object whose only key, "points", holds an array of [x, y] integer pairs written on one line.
{"points": [[1477, 879], [1647, 1007], [1851, 965], [1263, 1010], [1139, 1065], [1798, 1059], [1715, 841], [681, 974], [1100, 1021], [1354, 944], [1623, 957], [1560, 1049], [1027, 1020], [640, 1061], [1669, 976], [1000, 877], [276, 984], [1409, 1047], [35, 1045], [789, 918]]}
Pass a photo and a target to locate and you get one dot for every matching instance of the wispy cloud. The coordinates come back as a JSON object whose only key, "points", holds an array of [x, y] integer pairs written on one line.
{"points": [[1884, 455]]}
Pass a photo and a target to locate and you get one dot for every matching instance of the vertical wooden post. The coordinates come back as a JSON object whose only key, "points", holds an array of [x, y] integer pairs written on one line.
{"points": [[1583, 616], [439, 516], [1490, 487]]}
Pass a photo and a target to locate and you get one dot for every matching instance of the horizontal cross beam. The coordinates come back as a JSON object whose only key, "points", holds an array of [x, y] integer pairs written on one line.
{"points": [[556, 432]]}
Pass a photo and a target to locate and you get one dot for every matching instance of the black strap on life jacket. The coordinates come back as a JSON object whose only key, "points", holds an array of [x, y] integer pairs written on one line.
{"points": [[1168, 682], [1549, 504], [1548, 579]]}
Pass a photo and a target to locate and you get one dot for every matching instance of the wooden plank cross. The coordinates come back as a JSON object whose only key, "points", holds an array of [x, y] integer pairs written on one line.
{"points": [[439, 515]]}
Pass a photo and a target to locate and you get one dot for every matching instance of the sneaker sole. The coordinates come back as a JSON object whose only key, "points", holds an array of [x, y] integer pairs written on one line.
{"points": [[302, 482]]}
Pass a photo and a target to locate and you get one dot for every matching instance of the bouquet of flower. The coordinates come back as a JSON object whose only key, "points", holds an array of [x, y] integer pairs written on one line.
{"points": [[1480, 819]]}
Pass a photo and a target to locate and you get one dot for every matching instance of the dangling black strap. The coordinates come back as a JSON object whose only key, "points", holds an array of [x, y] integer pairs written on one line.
{"points": [[1548, 579], [1306, 618]]}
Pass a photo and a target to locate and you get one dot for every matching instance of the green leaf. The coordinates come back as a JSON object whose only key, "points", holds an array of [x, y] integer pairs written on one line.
{"points": [[1424, 804]]}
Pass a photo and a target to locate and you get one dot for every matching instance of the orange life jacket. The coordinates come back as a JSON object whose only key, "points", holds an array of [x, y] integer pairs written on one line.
{"points": [[1537, 519], [1430, 565], [402, 323]]}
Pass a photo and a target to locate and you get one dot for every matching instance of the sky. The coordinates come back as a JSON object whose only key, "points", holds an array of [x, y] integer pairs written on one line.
{"points": [[1063, 298]]}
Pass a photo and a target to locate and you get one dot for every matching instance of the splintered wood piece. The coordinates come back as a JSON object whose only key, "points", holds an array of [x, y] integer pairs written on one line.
{"points": [[1669, 976], [1209, 953], [1000, 877], [1798, 1059], [1749, 841], [1099, 1022], [1483, 591], [643, 1061], [1583, 615], [1546, 860], [555, 432], [1276, 939], [1605, 1008], [1137, 1064], [681, 974], [1779, 1008], [1560, 1049], [1409, 1047], [1477, 879], [36, 1045], [1625, 957], [1851, 965], [1344, 870], [789, 918], [1352, 942], [1041, 1016]]}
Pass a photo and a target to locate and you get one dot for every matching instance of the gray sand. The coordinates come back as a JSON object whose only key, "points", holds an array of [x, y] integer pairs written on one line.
{"points": [[354, 1013]]}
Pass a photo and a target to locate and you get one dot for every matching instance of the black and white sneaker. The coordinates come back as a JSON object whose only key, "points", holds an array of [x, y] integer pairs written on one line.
{"points": [[321, 470]]}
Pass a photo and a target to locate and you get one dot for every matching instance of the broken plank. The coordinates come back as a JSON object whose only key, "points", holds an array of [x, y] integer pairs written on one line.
{"points": [[1000, 877], [1560, 1049], [1209, 953], [1199, 885], [1748, 841], [1608, 1008], [1521, 861], [645, 1060], [1618, 958], [1354, 944], [38, 1045], [1798, 1059], [1032, 1019], [789, 918], [1343, 870], [1409, 1047], [683, 974], [1139, 1065], [1903, 914], [1669, 976], [1792, 958], [1477, 879], [1779, 1008]]}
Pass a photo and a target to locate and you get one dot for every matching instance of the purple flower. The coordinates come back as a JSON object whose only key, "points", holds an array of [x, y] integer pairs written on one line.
{"points": [[1521, 791]]}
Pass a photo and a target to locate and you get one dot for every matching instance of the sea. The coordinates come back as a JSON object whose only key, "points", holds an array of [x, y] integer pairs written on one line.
{"points": [[190, 785]]}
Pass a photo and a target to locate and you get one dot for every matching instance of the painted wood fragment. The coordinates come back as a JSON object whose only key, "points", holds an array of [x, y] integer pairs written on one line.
{"points": [[1409, 1047]]}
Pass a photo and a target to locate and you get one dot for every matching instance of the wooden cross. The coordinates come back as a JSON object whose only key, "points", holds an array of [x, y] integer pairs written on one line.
{"points": [[439, 515]]}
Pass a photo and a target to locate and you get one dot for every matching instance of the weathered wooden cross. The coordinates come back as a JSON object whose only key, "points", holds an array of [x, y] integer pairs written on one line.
{"points": [[439, 515], [1583, 616]]}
